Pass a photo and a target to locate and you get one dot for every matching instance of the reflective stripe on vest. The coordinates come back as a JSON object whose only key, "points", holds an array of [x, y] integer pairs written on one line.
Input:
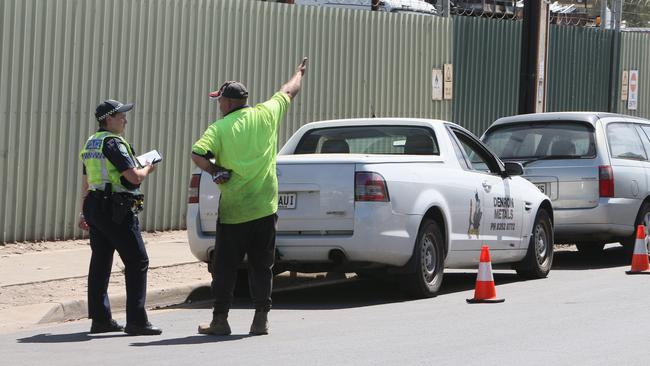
{"points": [[99, 169]]}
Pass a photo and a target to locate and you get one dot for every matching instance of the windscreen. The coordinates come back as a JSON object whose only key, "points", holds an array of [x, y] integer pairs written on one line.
{"points": [[394, 140], [542, 140]]}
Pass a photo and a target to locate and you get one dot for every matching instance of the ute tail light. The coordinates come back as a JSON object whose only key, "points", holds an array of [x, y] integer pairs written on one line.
{"points": [[606, 181], [193, 191], [369, 186]]}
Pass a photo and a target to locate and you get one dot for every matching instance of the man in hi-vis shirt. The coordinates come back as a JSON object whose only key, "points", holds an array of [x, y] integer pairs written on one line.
{"points": [[243, 144]]}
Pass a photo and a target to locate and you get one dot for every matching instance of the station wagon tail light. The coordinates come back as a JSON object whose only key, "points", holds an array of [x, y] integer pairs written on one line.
{"points": [[369, 186], [193, 191], [606, 181]]}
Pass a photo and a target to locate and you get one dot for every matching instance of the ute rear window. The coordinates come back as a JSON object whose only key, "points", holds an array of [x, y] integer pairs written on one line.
{"points": [[395, 140], [542, 140]]}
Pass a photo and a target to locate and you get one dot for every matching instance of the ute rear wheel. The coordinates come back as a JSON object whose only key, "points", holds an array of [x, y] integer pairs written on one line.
{"points": [[429, 262], [539, 257]]}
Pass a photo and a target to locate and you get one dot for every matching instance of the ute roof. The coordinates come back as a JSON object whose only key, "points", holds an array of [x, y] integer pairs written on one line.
{"points": [[376, 121]]}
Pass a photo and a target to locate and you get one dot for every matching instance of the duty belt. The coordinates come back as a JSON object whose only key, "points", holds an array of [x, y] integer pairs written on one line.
{"points": [[133, 202]]}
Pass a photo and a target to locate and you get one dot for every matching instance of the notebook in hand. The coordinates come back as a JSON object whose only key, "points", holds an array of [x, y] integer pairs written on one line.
{"points": [[152, 157]]}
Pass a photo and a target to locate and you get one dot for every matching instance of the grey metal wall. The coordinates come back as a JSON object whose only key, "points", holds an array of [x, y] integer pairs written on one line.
{"points": [[60, 58], [635, 55], [579, 66], [486, 70]]}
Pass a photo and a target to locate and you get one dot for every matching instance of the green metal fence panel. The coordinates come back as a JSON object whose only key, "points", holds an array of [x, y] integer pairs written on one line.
{"points": [[635, 55], [579, 64], [486, 71], [60, 58]]}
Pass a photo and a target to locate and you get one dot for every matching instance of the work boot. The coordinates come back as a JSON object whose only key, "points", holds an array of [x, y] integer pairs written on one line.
{"points": [[260, 323], [218, 326]]}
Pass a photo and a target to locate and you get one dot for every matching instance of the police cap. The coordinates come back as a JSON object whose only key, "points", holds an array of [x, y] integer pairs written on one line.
{"points": [[110, 107]]}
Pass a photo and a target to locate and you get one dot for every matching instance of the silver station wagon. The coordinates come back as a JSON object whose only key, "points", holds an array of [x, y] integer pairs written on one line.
{"points": [[593, 166]]}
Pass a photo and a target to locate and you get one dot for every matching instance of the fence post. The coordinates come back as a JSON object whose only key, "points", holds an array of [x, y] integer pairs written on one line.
{"points": [[534, 55]]}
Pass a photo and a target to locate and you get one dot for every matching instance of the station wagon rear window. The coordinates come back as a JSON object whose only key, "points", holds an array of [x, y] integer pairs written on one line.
{"points": [[393, 140], [542, 140]]}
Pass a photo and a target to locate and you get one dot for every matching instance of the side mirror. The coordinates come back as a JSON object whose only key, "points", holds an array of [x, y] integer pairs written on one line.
{"points": [[513, 168]]}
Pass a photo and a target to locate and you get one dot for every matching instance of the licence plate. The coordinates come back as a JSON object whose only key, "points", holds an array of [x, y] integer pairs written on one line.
{"points": [[542, 187], [286, 200]]}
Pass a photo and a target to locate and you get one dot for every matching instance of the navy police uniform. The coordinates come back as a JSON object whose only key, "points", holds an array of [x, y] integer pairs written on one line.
{"points": [[110, 211]]}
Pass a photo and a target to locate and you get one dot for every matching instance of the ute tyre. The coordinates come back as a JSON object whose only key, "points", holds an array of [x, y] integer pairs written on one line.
{"points": [[642, 218], [539, 257], [429, 258]]}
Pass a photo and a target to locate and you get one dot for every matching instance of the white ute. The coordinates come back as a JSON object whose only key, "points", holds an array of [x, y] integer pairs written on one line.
{"points": [[398, 197]]}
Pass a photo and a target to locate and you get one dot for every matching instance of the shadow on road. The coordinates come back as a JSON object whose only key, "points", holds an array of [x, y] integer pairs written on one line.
{"points": [[350, 293], [360, 292], [66, 338], [195, 339], [607, 258]]}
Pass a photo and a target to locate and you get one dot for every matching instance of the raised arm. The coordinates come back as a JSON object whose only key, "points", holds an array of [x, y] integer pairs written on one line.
{"points": [[292, 87]]}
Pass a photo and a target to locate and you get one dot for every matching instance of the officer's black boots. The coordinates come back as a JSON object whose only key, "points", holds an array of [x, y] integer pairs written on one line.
{"points": [[146, 329], [260, 324], [105, 327], [218, 326]]}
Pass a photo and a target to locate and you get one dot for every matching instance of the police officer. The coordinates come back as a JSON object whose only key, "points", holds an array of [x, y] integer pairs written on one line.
{"points": [[111, 199], [243, 144]]}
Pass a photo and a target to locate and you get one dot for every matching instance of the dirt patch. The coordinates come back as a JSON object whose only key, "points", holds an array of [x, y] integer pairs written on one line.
{"points": [[40, 246], [75, 288]]}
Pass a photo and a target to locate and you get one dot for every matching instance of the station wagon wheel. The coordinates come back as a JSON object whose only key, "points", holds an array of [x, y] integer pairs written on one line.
{"points": [[642, 218], [429, 262], [539, 256], [645, 221]]}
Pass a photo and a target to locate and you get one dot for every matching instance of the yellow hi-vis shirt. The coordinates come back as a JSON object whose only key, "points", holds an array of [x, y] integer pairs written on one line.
{"points": [[245, 141]]}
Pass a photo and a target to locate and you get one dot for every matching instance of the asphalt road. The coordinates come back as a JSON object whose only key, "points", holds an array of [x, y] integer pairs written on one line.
{"points": [[587, 312]]}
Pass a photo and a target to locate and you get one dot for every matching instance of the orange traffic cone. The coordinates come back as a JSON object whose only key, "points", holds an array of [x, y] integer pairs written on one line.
{"points": [[485, 290], [640, 263]]}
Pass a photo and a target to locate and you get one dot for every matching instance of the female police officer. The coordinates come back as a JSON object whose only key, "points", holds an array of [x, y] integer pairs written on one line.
{"points": [[111, 198]]}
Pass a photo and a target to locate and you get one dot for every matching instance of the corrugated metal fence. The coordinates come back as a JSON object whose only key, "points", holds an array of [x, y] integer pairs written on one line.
{"points": [[60, 58], [487, 60], [635, 55], [486, 63], [579, 67]]}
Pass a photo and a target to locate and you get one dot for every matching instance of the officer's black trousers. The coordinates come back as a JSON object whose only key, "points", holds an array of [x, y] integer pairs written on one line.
{"points": [[256, 239], [105, 238]]}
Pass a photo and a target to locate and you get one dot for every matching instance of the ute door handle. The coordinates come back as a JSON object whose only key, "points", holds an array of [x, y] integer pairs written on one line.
{"points": [[486, 187]]}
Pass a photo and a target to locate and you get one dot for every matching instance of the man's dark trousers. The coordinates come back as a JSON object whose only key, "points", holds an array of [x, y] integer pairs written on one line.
{"points": [[256, 239], [105, 238]]}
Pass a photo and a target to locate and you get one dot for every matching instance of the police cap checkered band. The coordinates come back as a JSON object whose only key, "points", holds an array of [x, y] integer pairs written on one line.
{"points": [[110, 107], [230, 89]]}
